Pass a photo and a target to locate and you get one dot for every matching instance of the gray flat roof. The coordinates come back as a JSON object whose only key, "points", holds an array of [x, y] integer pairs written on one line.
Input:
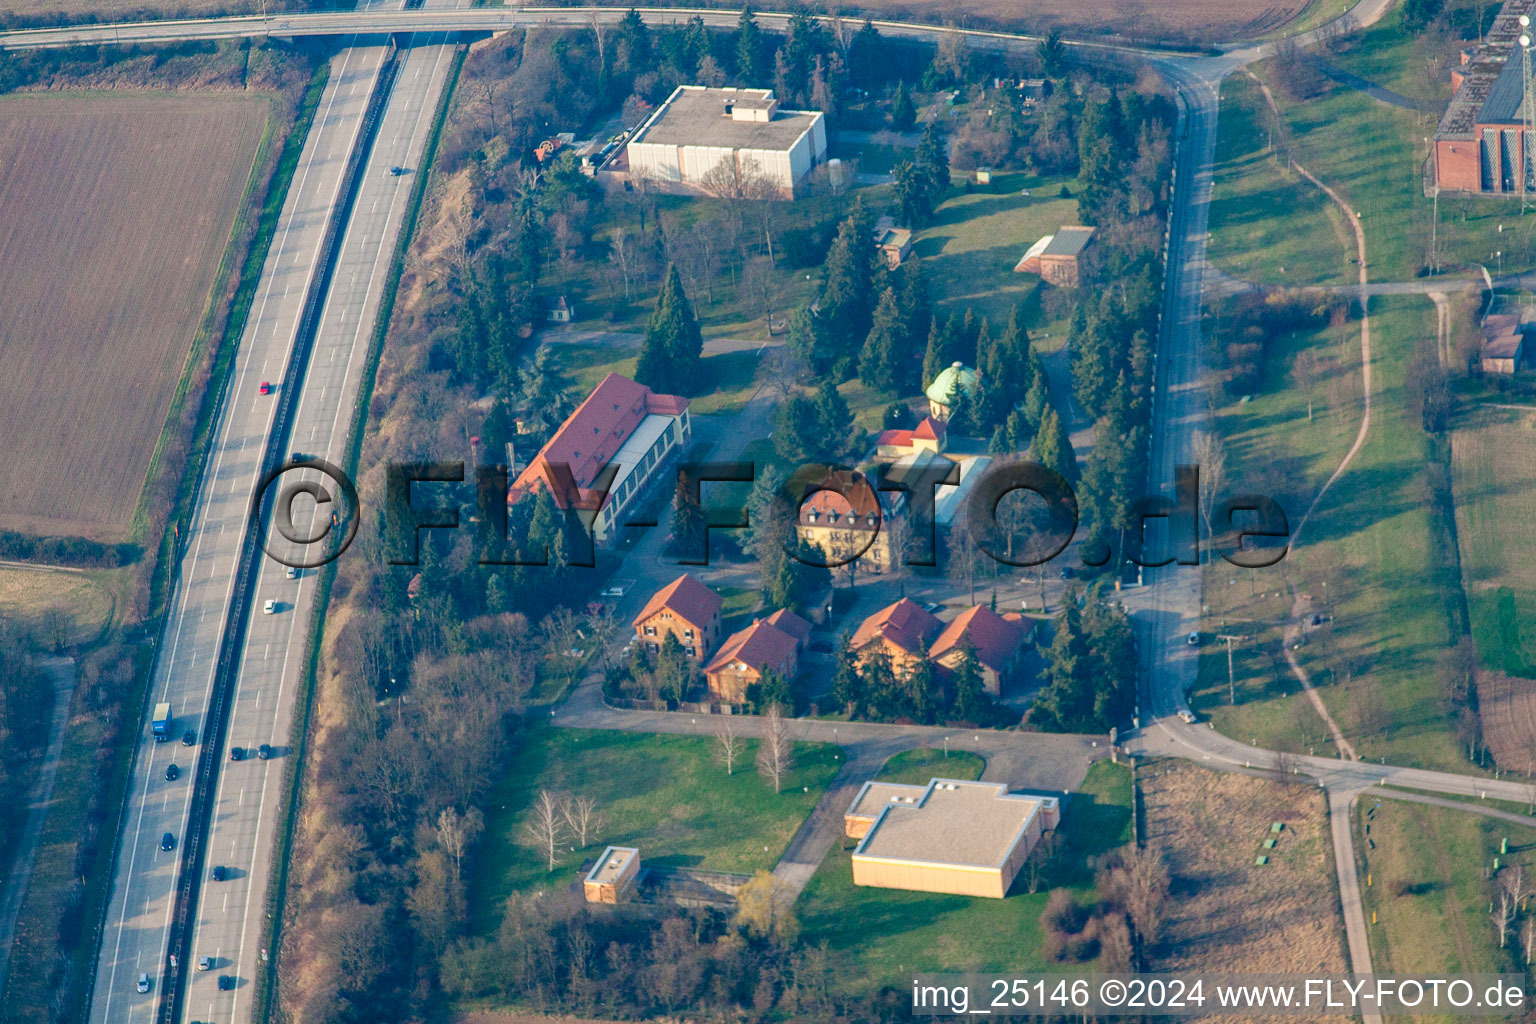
{"points": [[695, 116], [1068, 241], [873, 796], [969, 824], [613, 861]]}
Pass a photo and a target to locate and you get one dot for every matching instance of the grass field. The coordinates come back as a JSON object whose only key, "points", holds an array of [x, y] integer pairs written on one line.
{"points": [[885, 934], [1428, 889], [1366, 558], [916, 767], [1267, 223], [970, 249], [1231, 914], [668, 795], [86, 599], [114, 213]]}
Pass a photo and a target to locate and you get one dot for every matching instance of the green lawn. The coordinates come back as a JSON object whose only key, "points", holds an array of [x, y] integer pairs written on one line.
{"points": [[1428, 891], [1495, 471], [970, 249], [1373, 154], [1386, 54], [666, 795], [1267, 223], [885, 934], [1366, 557], [916, 767]]}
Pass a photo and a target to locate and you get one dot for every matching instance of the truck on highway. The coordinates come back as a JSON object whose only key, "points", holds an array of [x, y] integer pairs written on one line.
{"points": [[162, 722]]}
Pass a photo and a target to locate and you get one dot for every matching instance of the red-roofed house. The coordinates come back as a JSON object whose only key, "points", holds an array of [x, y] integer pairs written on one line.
{"points": [[621, 424], [746, 654], [792, 624], [926, 436], [902, 631], [686, 609], [998, 641]]}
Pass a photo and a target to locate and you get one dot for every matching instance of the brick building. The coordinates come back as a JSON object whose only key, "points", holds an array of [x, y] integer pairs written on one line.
{"points": [[998, 642], [1479, 142], [902, 631], [773, 643], [686, 609]]}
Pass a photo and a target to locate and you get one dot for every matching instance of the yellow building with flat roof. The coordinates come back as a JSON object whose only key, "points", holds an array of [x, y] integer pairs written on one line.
{"points": [[950, 836]]}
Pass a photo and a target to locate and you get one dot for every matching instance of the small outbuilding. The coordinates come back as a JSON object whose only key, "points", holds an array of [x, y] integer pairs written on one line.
{"points": [[1058, 258], [1503, 348], [612, 875]]}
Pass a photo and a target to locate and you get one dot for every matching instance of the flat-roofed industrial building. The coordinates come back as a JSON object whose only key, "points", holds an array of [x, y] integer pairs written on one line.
{"points": [[708, 140], [950, 836]]}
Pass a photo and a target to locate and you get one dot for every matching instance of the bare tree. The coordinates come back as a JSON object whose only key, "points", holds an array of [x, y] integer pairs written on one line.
{"points": [[762, 285], [1528, 939], [621, 252], [1146, 896], [781, 370], [1285, 764], [775, 750], [546, 828], [729, 746], [455, 832], [742, 185], [1304, 371], [583, 818], [1211, 461], [563, 633], [1503, 915], [603, 628]]}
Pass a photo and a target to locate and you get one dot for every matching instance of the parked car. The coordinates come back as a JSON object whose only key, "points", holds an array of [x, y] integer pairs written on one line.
{"points": [[269, 607], [237, 753], [1317, 620], [264, 752], [188, 738], [1188, 716], [144, 983], [172, 773], [205, 963], [220, 872], [167, 842]]}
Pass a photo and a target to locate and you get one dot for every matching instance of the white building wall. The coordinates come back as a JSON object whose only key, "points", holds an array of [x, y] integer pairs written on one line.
{"points": [[670, 164]]}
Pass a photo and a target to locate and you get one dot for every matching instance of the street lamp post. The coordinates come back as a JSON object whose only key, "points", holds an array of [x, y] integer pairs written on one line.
{"points": [[1527, 124]]}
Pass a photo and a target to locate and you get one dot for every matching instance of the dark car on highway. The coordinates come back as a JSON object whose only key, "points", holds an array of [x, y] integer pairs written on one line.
{"points": [[220, 872], [237, 753], [226, 982], [264, 752], [171, 772], [167, 842], [188, 738]]}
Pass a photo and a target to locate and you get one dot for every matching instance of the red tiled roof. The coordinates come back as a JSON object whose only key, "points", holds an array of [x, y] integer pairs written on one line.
{"points": [[590, 437], [995, 638], [686, 598], [930, 430], [790, 623], [760, 645], [830, 508], [895, 439], [904, 624]]}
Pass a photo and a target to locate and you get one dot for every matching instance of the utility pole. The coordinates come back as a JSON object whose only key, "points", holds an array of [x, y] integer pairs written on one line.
{"points": [[1231, 683], [1527, 116]]}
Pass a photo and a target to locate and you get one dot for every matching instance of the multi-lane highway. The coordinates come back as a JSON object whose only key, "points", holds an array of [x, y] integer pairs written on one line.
{"points": [[139, 912], [231, 921]]}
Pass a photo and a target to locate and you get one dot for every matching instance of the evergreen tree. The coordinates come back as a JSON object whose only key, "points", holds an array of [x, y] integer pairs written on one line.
{"points": [[781, 579], [936, 356], [772, 689], [1053, 448], [751, 54], [847, 681], [916, 314], [689, 523], [962, 412], [920, 695], [1036, 401], [637, 40], [971, 703], [881, 358], [847, 301], [797, 430], [903, 111], [833, 420], [933, 158], [913, 192], [671, 357], [867, 57], [1066, 701]]}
